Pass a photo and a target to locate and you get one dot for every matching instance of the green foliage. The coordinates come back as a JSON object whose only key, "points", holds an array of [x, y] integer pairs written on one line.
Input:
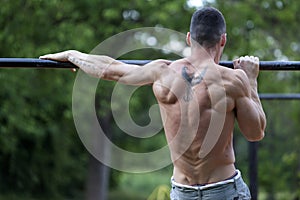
{"points": [[41, 155], [261, 28], [37, 135], [162, 192]]}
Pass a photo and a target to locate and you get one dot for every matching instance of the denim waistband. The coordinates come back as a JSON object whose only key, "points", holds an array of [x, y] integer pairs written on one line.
{"points": [[210, 185]]}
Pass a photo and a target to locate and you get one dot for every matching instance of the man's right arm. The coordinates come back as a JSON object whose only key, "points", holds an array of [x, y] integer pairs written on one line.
{"points": [[250, 114], [107, 68]]}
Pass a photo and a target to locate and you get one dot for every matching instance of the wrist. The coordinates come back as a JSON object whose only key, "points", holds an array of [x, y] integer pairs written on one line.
{"points": [[253, 83]]}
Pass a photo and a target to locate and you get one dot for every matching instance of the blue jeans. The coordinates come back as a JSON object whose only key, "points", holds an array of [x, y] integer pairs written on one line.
{"points": [[231, 189]]}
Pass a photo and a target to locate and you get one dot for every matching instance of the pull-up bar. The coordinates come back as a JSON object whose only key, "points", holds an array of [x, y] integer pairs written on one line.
{"points": [[38, 63], [275, 96]]}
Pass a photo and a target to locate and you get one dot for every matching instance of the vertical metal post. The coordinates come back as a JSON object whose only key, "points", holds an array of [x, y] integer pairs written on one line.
{"points": [[97, 187], [253, 147]]}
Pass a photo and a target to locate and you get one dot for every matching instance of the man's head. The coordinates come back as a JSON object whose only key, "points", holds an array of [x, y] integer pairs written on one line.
{"points": [[208, 27]]}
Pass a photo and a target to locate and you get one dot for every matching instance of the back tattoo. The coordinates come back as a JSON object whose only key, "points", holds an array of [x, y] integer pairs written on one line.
{"points": [[191, 81]]}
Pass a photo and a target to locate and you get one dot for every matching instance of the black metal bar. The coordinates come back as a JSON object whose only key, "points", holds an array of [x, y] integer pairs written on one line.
{"points": [[274, 96], [38, 63], [33, 63]]}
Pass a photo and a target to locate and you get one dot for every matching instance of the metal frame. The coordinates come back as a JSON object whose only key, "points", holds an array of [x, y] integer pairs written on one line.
{"points": [[38, 63], [276, 96]]}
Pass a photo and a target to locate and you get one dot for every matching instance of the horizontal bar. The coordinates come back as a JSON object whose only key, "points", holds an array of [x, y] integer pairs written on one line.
{"points": [[33, 63], [264, 65], [276, 96], [38, 63]]}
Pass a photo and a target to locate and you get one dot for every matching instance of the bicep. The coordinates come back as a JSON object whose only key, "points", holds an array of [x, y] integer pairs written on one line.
{"points": [[124, 73], [142, 75], [138, 76]]}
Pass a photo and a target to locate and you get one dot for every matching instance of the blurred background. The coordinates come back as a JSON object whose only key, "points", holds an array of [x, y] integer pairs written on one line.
{"points": [[41, 155]]}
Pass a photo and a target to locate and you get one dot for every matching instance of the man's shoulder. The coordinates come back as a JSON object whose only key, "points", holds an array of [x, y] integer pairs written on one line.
{"points": [[238, 81], [179, 62], [232, 74], [240, 75]]}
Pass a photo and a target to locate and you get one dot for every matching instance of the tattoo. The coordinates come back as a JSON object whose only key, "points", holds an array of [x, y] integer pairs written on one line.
{"points": [[82, 63], [191, 81], [86, 66]]}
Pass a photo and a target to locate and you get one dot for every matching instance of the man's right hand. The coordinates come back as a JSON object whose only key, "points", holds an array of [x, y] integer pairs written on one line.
{"points": [[249, 64]]}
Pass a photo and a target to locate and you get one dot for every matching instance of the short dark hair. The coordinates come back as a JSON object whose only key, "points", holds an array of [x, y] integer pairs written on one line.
{"points": [[207, 26]]}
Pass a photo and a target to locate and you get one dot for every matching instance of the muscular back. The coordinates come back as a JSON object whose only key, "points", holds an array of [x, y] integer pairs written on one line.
{"points": [[197, 107]]}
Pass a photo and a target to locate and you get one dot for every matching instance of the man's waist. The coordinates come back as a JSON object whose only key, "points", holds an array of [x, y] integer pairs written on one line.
{"points": [[232, 179]]}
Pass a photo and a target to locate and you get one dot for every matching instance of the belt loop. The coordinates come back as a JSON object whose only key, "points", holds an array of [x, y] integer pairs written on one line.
{"points": [[236, 179], [199, 194], [235, 183]]}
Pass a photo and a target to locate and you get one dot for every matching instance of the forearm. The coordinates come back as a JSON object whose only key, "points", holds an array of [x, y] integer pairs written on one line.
{"points": [[257, 104], [260, 114], [107, 68], [95, 65], [99, 66], [251, 119], [254, 91]]}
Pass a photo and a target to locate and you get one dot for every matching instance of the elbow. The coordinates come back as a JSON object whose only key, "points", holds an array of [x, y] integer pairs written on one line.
{"points": [[260, 134], [257, 132], [254, 134], [256, 137]]}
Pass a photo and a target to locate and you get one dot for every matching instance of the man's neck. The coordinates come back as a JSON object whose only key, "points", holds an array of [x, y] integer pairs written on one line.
{"points": [[199, 51], [199, 56]]}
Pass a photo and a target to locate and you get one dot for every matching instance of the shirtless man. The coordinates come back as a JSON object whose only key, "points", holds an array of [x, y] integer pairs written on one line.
{"points": [[199, 101]]}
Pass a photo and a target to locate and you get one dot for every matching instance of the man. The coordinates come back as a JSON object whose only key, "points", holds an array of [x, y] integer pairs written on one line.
{"points": [[199, 101]]}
